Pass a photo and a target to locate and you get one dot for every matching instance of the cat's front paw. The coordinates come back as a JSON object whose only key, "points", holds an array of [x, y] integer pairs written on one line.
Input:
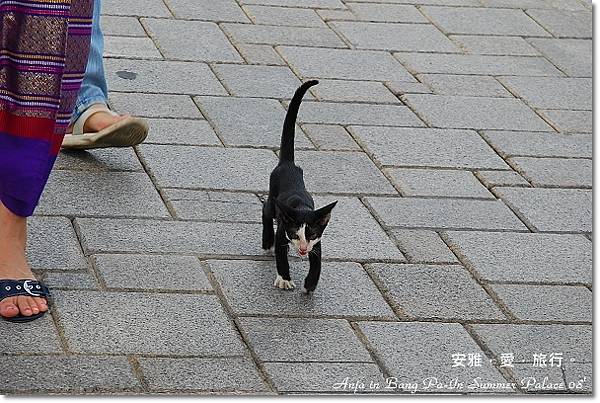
{"points": [[283, 284]]}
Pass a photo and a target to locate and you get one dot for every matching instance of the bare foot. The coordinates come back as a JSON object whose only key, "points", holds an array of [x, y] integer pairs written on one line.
{"points": [[14, 266], [100, 120]]}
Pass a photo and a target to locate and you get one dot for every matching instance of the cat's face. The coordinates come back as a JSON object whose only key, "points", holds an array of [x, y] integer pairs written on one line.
{"points": [[304, 229]]}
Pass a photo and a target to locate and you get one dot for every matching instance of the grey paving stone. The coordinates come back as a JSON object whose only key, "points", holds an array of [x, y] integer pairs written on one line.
{"points": [[119, 323], [525, 4], [38, 337], [154, 8], [387, 12], [331, 297], [330, 137], [556, 210], [542, 302], [181, 131], [436, 291], [76, 193], [477, 64], [422, 246], [475, 112], [476, 86], [428, 147], [277, 35], [572, 24], [152, 272], [62, 374], [341, 64], [178, 39], [210, 10], [353, 91], [53, 244], [538, 379], [215, 206], [466, 3], [414, 352], [258, 81], [445, 213], [580, 374], [282, 339], [501, 178], [353, 234], [168, 237], [248, 121], [184, 166], [319, 377], [495, 45], [573, 56], [399, 88], [347, 172], [336, 15], [260, 54], [552, 92], [121, 26], [70, 280], [155, 105], [130, 47], [435, 182], [326, 4], [546, 258], [232, 374], [540, 144], [404, 37], [574, 341], [559, 172], [169, 77], [486, 21], [357, 114], [570, 121], [291, 17], [112, 159]]}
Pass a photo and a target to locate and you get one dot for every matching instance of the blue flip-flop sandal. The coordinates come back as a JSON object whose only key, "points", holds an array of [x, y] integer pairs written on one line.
{"points": [[28, 287]]}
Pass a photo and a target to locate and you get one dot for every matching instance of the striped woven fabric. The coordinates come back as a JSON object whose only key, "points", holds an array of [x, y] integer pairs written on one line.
{"points": [[43, 52]]}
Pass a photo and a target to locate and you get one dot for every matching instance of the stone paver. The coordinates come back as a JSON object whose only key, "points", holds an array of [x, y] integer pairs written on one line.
{"points": [[151, 272], [414, 352], [53, 245], [155, 105], [551, 92], [413, 147], [123, 159], [447, 292], [330, 137], [331, 297], [72, 280], [573, 341], [501, 178], [558, 172], [431, 182], [260, 54], [341, 64], [248, 121], [40, 337], [423, 246], [119, 46], [518, 257], [475, 86], [181, 131], [445, 213], [571, 24], [179, 40], [573, 56], [145, 323], [67, 374], [258, 81], [208, 10], [353, 91], [121, 26], [278, 35], [401, 37], [129, 194], [201, 375], [554, 210], [386, 12], [154, 8], [291, 17], [304, 340], [539, 144], [355, 114], [542, 302], [495, 45], [569, 121], [457, 112]]}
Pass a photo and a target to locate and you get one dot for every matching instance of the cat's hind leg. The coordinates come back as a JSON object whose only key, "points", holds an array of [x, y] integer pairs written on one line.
{"points": [[268, 234]]}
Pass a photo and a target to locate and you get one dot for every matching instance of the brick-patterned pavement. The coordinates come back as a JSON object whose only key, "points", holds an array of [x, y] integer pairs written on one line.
{"points": [[456, 135]]}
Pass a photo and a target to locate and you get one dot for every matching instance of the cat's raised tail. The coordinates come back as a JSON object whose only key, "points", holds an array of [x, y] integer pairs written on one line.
{"points": [[289, 125]]}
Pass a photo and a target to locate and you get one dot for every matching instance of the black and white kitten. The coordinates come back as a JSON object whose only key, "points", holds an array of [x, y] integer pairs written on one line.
{"points": [[298, 223]]}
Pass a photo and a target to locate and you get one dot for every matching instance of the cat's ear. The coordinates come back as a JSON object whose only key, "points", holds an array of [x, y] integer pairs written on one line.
{"points": [[285, 211], [323, 215]]}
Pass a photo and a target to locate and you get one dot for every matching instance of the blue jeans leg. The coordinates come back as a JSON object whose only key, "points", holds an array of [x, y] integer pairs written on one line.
{"points": [[93, 89]]}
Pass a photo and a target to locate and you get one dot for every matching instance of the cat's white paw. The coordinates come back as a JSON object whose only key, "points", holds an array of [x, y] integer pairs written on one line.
{"points": [[283, 284]]}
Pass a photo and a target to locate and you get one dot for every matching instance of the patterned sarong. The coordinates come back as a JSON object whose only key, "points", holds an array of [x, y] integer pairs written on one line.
{"points": [[43, 52]]}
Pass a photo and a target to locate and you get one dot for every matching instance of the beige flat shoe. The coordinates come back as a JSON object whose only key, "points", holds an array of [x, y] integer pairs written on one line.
{"points": [[127, 132]]}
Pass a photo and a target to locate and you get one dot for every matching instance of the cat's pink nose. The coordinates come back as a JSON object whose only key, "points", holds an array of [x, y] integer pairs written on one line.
{"points": [[302, 251]]}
